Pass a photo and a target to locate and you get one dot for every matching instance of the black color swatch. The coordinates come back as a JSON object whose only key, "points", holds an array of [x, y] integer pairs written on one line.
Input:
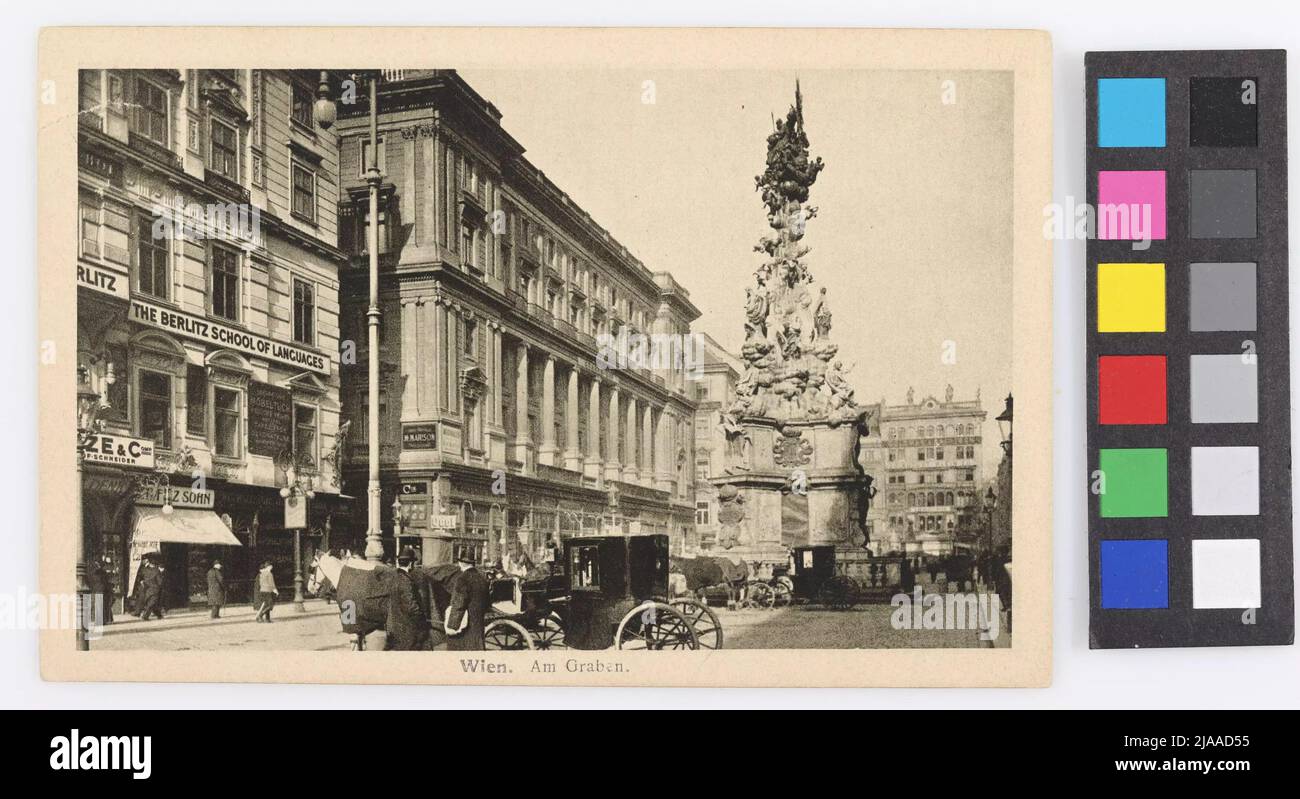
{"points": [[1225, 112]]}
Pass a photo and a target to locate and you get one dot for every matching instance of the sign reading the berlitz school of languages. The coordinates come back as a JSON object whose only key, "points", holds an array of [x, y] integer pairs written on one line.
{"points": [[121, 451], [206, 330], [270, 419], [419, 436]]}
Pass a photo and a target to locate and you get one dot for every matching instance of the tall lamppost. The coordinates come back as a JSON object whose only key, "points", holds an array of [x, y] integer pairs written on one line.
{"points": [[326, 113], [298, 486], [90, 420]]}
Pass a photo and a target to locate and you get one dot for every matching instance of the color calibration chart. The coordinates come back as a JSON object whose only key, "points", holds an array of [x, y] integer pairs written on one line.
{"points": [[1189, 387]]}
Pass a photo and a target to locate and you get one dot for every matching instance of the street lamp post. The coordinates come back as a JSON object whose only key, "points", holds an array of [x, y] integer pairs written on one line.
{"points": [[89, 422], [298, 485], [326, 113]]}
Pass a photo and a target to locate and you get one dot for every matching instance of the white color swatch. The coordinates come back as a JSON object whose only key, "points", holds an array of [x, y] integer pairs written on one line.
{"points": [[1225, 573]]}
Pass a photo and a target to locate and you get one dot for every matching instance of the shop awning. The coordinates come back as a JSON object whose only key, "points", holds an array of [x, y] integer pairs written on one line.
{"points": [[183, 526]]}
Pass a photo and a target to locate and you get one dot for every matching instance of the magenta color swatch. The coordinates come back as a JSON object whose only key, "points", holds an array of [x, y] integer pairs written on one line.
{"points": [[1131, 205]]}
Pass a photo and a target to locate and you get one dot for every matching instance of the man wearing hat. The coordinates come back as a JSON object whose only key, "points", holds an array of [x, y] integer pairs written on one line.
{"points": [[469, 604], [266, 593], [407, 622]]}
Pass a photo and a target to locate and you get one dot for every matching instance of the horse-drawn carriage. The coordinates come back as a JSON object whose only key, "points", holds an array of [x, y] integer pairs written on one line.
{"points": [[609, 591], [840, 578]]}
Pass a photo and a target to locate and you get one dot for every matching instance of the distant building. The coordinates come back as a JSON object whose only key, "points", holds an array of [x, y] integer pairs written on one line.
{"points": [[501, 430], [713, 393], [928, 475]]}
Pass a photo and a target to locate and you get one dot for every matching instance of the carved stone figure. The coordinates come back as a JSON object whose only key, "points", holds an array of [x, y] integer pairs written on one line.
{"points": [[821, 317], [755, 314], [947, 393]]}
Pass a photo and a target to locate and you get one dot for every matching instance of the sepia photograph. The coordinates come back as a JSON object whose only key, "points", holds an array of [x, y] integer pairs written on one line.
{"points": [[548, 359]]}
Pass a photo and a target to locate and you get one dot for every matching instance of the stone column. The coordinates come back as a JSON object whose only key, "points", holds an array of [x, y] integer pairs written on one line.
{"points": [[572, 453], [647, 446], [631, 457], [613, 469], [546, 453], [592, 465], [523, 440], [666, 455]]}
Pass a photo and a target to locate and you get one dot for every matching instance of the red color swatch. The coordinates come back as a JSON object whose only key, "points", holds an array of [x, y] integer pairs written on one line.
{"points": [[1131, 389]]}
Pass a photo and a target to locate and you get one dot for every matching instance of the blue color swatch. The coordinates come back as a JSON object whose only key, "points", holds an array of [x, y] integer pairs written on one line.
{"points": [[1131, 112], [1135, 574]]}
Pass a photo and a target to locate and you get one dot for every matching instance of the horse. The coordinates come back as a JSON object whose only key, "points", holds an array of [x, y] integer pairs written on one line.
{"points": [[361, 589], [704, 573]]}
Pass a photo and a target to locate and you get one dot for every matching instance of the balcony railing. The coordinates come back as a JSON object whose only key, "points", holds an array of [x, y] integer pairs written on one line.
{"points": [[153, 150], [225, 186]]}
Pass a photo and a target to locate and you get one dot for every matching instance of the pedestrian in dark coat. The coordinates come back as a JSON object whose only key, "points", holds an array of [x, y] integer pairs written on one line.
{"points": [[151, 584], [216, 589], [101, 585], [407, 622], [469, 604]]}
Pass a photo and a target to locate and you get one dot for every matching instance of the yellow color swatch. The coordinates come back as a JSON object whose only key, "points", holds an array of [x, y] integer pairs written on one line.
{"points": [[1130, 298]]}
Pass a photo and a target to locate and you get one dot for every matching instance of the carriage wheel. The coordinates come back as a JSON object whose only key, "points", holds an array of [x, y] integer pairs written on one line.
{"points": [[839, 593], [703, 621], [506, 634], [655, 626], [782, 594], [760, 595], [549, 633]]}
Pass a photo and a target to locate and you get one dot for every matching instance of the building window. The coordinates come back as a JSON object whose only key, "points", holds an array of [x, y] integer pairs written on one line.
{"points": [[701, 471], [304, 434], [301, 110], [470, 341], [225, 422], [156, 407], [152, 259], [702, 513], [89, 97], [225, 150], [304, 192], [304, 312], [224, 283], [89, 216], [466, 243], [151, 118]]}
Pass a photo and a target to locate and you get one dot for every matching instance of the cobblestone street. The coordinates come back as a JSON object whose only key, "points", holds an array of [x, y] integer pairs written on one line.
{"points": [[801, 627]]}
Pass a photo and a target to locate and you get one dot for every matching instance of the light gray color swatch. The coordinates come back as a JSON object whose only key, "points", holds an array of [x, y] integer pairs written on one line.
{"points": [[1225, 388]]}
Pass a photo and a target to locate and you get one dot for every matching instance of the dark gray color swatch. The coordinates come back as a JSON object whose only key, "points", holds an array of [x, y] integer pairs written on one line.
{"points": [[1223, 204], [1222, 297]]}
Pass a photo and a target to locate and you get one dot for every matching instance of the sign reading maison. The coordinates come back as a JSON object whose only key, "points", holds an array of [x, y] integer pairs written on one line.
{"points": [[207, 330]]}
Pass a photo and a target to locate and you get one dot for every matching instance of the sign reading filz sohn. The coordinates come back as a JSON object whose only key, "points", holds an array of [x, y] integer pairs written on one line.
{"points": [[206, 330]]}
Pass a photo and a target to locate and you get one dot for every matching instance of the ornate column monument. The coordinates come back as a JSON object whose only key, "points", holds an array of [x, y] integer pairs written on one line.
{"points": [[792, 475]]}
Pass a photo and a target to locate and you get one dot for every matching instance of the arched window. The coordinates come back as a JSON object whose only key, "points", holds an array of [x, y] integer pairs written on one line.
{"points": [[950, 498], [911, 499]]}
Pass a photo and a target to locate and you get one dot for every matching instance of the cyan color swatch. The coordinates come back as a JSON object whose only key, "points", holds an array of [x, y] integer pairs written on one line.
{"points": [[1131, 112], [1135, 574]]}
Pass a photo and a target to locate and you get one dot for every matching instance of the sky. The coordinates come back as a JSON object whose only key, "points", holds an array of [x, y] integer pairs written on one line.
{"points": [[913, 239]]}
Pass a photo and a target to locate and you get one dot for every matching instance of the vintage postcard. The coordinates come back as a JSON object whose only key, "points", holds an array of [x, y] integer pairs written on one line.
{"points": [[546, 356]]}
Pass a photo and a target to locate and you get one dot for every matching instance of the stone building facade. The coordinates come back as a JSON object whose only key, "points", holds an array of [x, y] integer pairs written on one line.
{"points": [[501, 426], [207, 318], [927, 464]]}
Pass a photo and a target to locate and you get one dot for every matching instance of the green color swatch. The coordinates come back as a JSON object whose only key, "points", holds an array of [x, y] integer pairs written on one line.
{"points": [[1137, 482]]}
